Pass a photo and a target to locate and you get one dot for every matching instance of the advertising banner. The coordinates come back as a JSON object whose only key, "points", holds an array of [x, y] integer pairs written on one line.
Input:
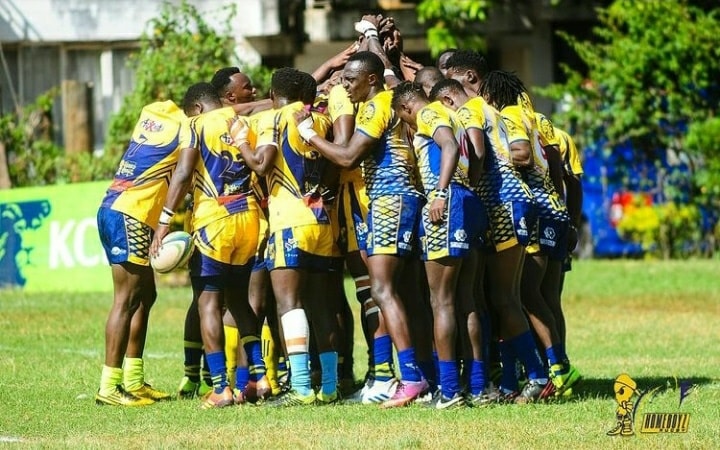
{"points": [[49, 239]]}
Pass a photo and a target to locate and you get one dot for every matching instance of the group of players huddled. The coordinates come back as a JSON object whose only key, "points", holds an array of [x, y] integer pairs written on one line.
{"points": [[451, 203]]}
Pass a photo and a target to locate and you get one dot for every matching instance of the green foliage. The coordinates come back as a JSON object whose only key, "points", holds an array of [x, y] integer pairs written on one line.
{"points": [[703, 141], [652, 66], [667, 230], [177, 50], [33, 158], [452, 23]]}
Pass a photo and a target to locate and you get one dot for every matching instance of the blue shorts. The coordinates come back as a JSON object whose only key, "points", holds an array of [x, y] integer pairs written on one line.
{"points": [[510, 205], [123, 238], [350, 215], [462, 229], [393, 225], [303, 247], [550, 235]]}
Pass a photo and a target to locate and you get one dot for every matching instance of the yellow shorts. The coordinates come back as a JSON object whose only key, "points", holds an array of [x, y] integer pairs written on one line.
{"points": [[230, 241], [302, 247]]}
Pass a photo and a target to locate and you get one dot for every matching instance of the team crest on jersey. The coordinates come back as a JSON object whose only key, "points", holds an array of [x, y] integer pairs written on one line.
{"points": [[226, 139], [407, 236], [460, 235], [151, 125], [367, 114], [430, 117], [522, 223], [546, 128], [549, 232]]}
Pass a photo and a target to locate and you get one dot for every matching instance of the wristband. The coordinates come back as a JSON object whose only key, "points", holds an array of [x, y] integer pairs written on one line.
{"points": [[371, 33], [441, 194], [305, 129], [166, 216], [389, 73]]}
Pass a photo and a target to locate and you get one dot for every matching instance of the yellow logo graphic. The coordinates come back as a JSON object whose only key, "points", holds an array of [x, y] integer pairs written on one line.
{"points": [[629, 399]]}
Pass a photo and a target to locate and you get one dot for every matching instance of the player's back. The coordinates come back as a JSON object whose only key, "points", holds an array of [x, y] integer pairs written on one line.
{"points": [[429, 119], [295, 181], [142, 178]]}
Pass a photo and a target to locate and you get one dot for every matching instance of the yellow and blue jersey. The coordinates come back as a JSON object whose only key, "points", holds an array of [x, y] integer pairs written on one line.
{"points": [[389, 169], [546, 130], [339, 104], [569, 153], [259, 184], [222, 184], [522, 126], [429, 119], [295, 181], [477, 113], [141, 182]]}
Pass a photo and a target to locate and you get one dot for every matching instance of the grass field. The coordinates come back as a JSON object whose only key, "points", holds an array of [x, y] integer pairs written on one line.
{"points": [[657, 321]]}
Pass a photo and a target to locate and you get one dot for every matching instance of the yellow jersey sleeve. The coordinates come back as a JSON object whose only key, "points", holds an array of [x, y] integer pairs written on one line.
{"points": [[546, 130], [569, 153], [339, 103], [513, 118], [374, 117]]}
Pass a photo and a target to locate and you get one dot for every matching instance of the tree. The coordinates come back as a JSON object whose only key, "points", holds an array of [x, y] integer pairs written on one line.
{"points": [[178, 49], [451, 23], [653, 69]]}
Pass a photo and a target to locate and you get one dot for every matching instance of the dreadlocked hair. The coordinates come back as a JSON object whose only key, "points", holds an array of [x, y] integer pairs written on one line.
{"points": [[502, 88], [405, 91]]}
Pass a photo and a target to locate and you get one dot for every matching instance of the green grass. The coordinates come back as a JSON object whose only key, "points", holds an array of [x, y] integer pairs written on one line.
{"points": [[657, 321]]}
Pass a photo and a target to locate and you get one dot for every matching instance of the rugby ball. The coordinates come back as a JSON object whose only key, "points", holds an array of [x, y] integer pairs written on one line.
{"points": [[174, 252]]}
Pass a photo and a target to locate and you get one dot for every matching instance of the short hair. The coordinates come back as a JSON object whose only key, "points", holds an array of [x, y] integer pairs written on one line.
{"points": [[308, 88], [448, 84], [431, 74], [370, 62], [288, 83], [468, 60], [502, 88], [221, 79], [443, 53], [200, 93], [405, 91]]}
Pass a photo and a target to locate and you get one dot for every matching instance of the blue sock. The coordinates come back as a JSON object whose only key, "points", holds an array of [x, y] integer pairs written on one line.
{"points": [[508, 381], [300, 373], [449, 379], [477, 377], [253, 349], [526, 351], [242, 376], [329, 364], [427, 368], [553, 355], [382, 357], [436, 364], [408, 367], [218, 370]]}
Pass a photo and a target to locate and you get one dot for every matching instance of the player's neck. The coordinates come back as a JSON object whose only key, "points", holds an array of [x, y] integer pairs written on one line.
{"points": [[374, 90]]}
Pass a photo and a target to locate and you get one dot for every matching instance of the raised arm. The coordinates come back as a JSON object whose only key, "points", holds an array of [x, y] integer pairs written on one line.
{"points": [[346, 156]]}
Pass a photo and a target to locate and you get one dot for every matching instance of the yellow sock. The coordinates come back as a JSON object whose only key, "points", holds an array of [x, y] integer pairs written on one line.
{"points": [[133, 374], [270, 357], [109, 379], [231, 343]]}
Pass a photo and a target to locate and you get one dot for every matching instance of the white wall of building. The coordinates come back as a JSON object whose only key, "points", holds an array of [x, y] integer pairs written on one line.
{"points": [[113, 20]]}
